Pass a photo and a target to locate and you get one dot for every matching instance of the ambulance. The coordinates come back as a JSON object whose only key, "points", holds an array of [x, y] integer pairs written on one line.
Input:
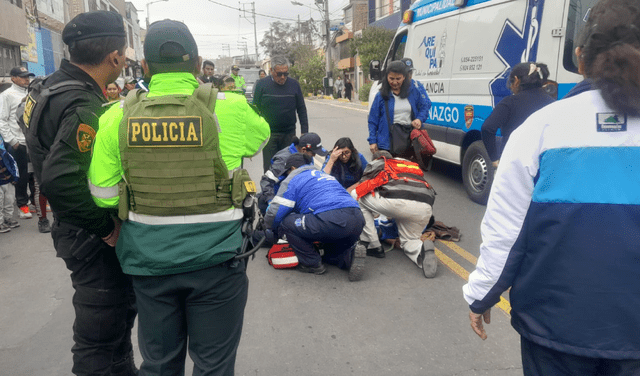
{"points": [[463, 51]]}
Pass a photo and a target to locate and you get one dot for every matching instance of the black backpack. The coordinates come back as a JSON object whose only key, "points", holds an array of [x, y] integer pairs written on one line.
{"points": [[30, 112]]}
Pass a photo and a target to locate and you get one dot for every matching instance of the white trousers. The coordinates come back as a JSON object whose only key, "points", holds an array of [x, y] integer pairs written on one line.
{"points": [[7, 201], [410, 216]]}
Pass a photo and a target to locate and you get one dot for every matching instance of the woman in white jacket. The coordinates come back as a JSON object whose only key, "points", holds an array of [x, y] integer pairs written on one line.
{"points": [[562, 223]]}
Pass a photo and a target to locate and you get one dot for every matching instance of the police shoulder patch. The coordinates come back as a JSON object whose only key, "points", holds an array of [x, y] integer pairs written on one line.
{"points": [[29, 105], [167, 131], [85, 135]]}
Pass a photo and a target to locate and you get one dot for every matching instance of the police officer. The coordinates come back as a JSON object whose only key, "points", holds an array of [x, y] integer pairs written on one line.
{"points": [[181, 231], [61, 119], [240, 84]]}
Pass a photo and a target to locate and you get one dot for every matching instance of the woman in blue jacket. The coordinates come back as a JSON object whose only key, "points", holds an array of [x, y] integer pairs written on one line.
{"points": [[345, 163], [408, 108]]}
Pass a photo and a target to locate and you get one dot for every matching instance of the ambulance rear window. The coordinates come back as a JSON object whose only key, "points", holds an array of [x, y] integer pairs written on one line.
{"points": [[578, 15]]}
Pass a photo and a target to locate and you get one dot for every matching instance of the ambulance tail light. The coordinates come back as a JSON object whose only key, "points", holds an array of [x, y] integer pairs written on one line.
{"points": [[407, 17]]}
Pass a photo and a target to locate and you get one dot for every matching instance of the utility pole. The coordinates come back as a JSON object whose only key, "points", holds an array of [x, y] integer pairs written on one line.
{"points": [[149, 3], [327, 23], [255, 30]]}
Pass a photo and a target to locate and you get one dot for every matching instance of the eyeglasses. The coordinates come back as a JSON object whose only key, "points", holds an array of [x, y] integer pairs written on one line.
{"points": [[280, 74]]}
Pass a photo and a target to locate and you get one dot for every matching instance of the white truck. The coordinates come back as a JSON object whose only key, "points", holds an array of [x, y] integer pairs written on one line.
{"points": [[462, 51]]}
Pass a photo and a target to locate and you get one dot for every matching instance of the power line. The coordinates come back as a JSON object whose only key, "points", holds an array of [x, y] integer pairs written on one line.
{"points": [[257, 14]]}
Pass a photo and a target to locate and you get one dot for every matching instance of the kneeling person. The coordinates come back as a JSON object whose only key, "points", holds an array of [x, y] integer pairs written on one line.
{"points": [[396, 188], [312, 206]]}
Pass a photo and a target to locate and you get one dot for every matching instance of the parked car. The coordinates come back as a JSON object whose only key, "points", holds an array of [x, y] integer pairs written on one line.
{"points": [[250, 78]]}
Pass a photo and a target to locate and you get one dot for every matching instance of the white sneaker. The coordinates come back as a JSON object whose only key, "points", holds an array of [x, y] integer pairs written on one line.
{"points": [[25, 213]]}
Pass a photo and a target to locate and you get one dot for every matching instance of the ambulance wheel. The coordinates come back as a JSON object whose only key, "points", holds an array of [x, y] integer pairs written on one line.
{"points": [[477, 173]]}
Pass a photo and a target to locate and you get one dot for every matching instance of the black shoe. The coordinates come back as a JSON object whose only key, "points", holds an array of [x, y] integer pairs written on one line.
{"points": [[321, 269], [428, 259], [357, 264], [376, 252], [44, 226]]}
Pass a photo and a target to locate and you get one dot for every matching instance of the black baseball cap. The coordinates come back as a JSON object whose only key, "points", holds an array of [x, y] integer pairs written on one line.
{"points": [[20, 72], [96, 24], [235, 67], [297, 160], [312, 142], [169, 42], [408, 62]]}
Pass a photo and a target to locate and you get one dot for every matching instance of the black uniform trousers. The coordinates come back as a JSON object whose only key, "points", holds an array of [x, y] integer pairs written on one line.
{"points": [[103, 301], [277, 142], [204, 308], [338, 230], [542, 361]]}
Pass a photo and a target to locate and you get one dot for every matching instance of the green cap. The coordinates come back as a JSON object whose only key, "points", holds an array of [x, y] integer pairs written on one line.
{"points": [[169, 42]]}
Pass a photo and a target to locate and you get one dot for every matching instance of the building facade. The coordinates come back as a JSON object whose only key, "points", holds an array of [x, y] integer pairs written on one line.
{"points": [[387, 13], [13, 35]]}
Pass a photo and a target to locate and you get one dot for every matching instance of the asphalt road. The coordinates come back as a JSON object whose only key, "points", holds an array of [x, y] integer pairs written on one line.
{"points": [[393, 322]]}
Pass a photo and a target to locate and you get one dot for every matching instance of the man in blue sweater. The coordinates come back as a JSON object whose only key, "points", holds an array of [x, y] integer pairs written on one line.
{"points": [[278, 98], [312, 206]]}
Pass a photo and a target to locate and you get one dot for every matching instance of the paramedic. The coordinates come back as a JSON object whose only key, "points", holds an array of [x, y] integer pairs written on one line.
{"points": [[408, 199], [312, 206]]}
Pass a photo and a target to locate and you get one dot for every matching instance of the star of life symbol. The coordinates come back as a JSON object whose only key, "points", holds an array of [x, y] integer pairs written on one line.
{"points": [[516, 45]]}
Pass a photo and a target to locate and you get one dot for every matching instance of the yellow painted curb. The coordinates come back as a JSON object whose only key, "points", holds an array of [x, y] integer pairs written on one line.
{"points": [[342, 100], [364, 103]]}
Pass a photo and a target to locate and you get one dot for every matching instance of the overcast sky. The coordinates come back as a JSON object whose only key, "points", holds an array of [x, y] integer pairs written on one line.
{"points": [[216, 23]]}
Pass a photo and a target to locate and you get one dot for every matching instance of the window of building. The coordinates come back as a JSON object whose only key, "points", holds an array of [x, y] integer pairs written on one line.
{"points": [[386, 8], [9, 58], [348, 15]]}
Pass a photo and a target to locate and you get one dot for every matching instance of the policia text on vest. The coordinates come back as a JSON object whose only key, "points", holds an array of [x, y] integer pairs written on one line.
{"points": [[165, 131]]}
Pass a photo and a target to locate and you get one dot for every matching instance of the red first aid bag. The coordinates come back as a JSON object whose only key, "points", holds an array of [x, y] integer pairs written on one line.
{"points": [[424, 145], [281, 256]]}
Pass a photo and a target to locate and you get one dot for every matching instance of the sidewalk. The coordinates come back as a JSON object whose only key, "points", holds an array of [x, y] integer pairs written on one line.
{"points": [[354, 102]]}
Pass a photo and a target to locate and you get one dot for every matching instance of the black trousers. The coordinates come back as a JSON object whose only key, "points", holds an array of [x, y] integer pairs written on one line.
{"points": [[103, 301], [338, 230], [277, 142], [203, 310], [22, 160], [542, 361]]}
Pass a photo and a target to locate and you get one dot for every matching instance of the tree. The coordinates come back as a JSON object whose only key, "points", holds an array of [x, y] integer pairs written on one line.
{"points": [[308, 68], [279, 39], [372, 45]]}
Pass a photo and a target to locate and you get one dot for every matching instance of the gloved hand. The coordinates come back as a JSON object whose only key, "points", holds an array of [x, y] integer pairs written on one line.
{"points": [[270, 236]]}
